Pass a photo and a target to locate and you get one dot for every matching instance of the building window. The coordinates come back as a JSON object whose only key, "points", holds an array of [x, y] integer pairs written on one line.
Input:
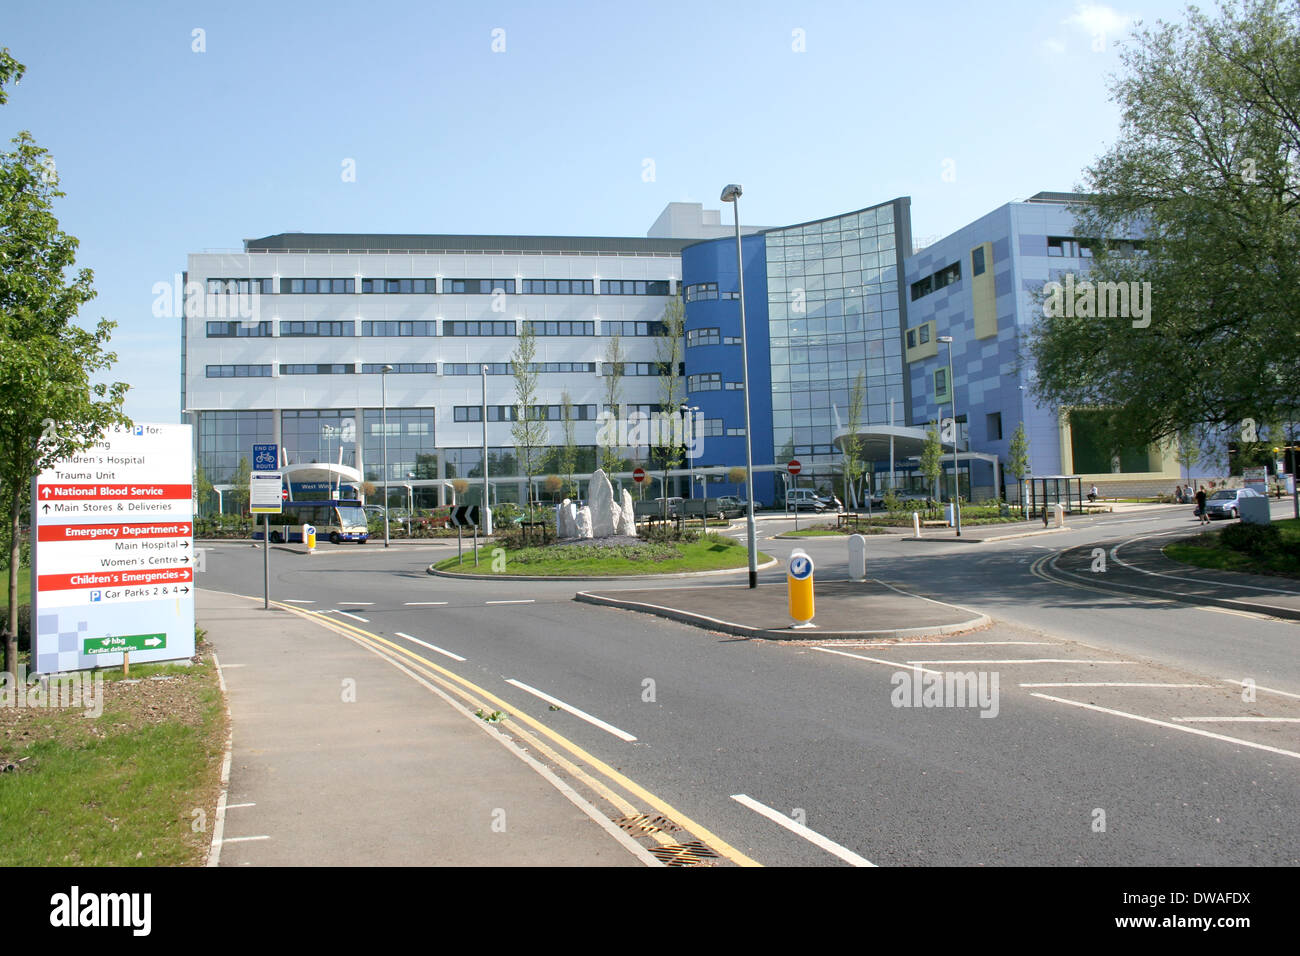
{"points": [[709, 428], [923, 335], [947, 276], [941, 385], [318, 286], [561, 328], [733, 432], [708, 382], [401, 368], [633, 328], [239, 371], [478, 328], [993, 422], [496, 413], [322, 369], [558, 286], [236, 330], [977, 261], [696, 337], [731, 340], [922, 287], [633, 368], [555, 413], [634, 287], [555, 367], [475, 368], [735, 386], [239, 286], [305, 329], [477, 286], [705, 290], [911, 338], [399, 328], [399, 286]]}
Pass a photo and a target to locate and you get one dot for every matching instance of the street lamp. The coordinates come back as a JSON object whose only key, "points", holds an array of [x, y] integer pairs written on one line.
{"points": [[486, 516], [731, 194], [383, 388], [689, 411], [952, 394]]}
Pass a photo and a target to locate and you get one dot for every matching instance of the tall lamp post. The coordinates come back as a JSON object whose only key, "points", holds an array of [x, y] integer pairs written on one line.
{"points": [[731, 193], [689, 411], [956, 480], [383, 388], [486, 516]]}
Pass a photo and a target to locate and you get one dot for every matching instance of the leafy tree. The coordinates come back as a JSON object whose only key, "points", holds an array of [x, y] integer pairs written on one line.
{"points": [[202, 487], [1017, 464], [672, 389], [932, 459], [1206, 172], [49, 408], [854, 467], [238, 493], [529, 430], [610, 459]]}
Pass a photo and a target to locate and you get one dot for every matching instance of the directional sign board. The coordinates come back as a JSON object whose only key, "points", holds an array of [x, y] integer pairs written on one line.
{"points": [[113, 552], [265, 457], [463, 516], [264, 493]]}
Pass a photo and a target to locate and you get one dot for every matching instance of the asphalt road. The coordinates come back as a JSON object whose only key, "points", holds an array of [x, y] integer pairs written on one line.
{"points": [[1167, 772]]}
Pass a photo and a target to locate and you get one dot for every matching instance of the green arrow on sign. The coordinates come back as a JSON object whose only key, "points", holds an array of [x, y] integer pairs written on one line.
{"points": [[116, 645]]}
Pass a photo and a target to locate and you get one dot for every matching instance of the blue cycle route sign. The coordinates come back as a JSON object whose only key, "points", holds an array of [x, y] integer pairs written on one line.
{"points": [[265, 457]]}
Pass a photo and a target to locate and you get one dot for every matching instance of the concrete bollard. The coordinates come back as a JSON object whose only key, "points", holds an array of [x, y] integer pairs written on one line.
{"points": [[916, 523], [857, 557], [1060, 515]]}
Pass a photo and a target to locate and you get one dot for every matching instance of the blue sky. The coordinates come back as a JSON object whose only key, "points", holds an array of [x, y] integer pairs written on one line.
{"points": [[164, 151]]}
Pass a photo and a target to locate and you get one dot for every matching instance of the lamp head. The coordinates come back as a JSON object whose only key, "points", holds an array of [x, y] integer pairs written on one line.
{"points": [[731, 192]]}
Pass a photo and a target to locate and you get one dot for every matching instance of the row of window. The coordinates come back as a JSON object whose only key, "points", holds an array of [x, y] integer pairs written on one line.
{"points": [[237, 330], [417, 327], [629, 329], [265, 286], [510, 413], [561, 328], [696, 337], [1069, 247], [919, 335], [938, 280], [428, 327], [402, 368]]}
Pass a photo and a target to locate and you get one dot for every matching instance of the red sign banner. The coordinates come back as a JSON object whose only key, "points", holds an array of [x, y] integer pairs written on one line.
{"points": [[110, 579], [113, 532]]}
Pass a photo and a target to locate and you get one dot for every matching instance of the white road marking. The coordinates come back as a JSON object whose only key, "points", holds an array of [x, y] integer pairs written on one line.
{"points": [[794, 826], [432, 647], [355, 603], [225, 666], [1238, 720], [244, 839], [947, 644], [236, 806], [527, 601], [424, 603], [1178, 577], [1028, 660], [1167, 724], [1113, 684], [876, 660], [1242, 683], [295, 601], [581, 715], [355, 617]]}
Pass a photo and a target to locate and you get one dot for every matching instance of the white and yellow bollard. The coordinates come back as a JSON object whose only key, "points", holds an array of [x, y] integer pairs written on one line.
{"points": [[799, 588], [309, 538]]}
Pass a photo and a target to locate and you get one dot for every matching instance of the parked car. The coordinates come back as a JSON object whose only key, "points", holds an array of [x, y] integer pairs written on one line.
{"points": [[674, 505], [731, 506], [805, 499], [1224, 503]]}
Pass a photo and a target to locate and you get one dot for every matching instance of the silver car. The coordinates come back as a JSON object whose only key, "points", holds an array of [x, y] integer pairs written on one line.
{"points": [[1224, 503]]}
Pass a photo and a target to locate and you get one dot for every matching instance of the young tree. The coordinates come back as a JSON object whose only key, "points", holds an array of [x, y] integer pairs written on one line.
{"points": [[672, 391], [238, 493], [202, 488], [569, 450], [529, 430], [1206, 172], [49, 408], [854, 467], [932, 459], [1017, 464], [609, 453]]}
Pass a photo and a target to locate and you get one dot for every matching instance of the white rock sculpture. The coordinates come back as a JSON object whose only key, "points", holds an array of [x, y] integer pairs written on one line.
{"points": [[560, 511], [583, 524], [569, 520], [628, 524], [600, 498]]}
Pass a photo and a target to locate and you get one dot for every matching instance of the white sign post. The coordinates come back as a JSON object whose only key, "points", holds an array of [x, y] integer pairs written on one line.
{"points": [[265, 498], [113, 552]]}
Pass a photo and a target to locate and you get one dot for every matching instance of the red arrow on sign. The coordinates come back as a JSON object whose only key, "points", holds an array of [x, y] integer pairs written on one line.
{"points": [[794, 467]]}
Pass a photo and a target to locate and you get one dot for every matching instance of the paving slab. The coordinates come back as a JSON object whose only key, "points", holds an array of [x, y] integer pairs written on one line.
{"points": [[340, 759], [844, 609]]}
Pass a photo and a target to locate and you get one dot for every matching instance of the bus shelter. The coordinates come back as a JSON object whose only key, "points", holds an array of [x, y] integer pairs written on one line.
{"points": [[1040, 493]]}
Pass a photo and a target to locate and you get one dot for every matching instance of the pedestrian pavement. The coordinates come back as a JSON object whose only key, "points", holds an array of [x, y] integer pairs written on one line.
{"points": [[340, 759], [844, 609]]}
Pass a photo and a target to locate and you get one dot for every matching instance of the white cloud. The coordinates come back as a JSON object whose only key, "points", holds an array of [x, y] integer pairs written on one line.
{"points": [[1096, 19], [1054, 47]]}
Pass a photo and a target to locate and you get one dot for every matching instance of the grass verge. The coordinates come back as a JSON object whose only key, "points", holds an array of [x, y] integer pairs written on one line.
{"points": [[710, 553], [122, 788], [1208, 550]]}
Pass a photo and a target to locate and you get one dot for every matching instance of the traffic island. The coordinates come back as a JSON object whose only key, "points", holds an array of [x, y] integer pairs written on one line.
{"points": [[845, 610]]}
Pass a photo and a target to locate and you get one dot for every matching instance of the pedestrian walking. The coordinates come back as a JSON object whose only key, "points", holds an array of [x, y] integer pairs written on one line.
{"points": [[1200, 506]]}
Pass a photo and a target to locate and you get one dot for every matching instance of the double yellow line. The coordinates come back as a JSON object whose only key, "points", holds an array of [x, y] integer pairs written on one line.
{"points": [[478, 698]]}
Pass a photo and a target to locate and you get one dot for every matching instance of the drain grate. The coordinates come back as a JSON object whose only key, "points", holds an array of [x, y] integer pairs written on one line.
{"points": [[644, 823], [693, 853]]}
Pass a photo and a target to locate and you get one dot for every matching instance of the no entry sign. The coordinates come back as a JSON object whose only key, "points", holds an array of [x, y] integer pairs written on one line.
{"points": [[638, 475], [794, 467]]}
